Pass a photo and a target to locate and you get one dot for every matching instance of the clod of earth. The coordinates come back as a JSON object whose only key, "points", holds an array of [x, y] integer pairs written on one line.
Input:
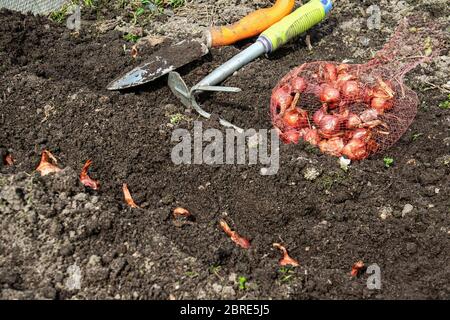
{"points": [[47, 164], [286, 260], [86, 180], [234, 236]]}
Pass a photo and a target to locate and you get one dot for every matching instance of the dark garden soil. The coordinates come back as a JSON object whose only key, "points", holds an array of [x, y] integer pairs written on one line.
{"points": [[53, 96]]}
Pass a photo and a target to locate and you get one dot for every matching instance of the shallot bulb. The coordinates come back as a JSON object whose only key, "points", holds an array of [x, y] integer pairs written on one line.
{"points": [[344, 77], [329, 94], [383, 91], [182, 217], [342, 68], [357, 268], [332, 146], [290, 137], [355, 149], [5, 157], [381, 105], [369, 115], [328, 72], [380, 93], [234, 236], [86, 180], [350, 89], [330, 126], [47, 164], [319, 114], [282, 98], [181, 212], [311, 136], [296, 118], [367, 95], [360, 134], [286, 260], [298, 84], [128, 198], [386, 87], [353, 121]]}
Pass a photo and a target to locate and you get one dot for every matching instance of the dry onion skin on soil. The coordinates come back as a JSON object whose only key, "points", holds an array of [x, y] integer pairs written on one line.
{"points": [[355, 110]]}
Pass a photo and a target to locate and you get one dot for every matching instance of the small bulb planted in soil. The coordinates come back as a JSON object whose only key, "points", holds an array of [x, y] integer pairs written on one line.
{"points": [[182, 216], [47, 164], [181, 212], [8, 160], [286, 260], [127, 195], [235, 237], [357, 268], [86, 180]]}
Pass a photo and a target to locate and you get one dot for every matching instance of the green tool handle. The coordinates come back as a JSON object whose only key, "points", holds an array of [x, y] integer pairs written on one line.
{"points": [[289, 27], [295, 24]]}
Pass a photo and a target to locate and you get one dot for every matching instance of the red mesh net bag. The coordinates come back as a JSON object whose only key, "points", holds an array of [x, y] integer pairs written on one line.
{"points": [[355, 110]]}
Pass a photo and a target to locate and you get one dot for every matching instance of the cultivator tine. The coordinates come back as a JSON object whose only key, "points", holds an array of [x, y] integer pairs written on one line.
{"points": [[216, 89], [179, 88], [187, 97]]}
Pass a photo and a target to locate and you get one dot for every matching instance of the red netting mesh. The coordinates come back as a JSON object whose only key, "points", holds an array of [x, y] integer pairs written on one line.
{"points": [[360, 109]]}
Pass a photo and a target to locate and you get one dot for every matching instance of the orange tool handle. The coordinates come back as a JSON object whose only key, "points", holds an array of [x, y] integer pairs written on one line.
{"points": [[249, 26]]}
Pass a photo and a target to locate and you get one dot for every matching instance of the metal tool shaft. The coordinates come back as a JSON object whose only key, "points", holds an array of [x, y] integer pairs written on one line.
{"points": [[227, 69]]}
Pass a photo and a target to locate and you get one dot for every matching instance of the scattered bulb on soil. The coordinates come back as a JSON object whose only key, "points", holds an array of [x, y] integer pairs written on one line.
{"points": [[181, 212], [47, 164], [286, 260], [86, 180], [234, 236], [128, 199], [181, 217], [357, 268]]}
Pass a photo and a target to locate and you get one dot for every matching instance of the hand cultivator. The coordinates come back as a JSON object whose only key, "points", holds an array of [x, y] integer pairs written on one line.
{"points": [[186, 51], [270, 40]]}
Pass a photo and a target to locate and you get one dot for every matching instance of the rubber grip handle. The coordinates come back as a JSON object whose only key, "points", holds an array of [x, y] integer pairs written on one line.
{"points": [[296, 23], [249, 26]]}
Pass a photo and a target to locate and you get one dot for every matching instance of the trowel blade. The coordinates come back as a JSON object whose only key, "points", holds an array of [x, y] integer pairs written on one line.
{"points": [[162, 62]]}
